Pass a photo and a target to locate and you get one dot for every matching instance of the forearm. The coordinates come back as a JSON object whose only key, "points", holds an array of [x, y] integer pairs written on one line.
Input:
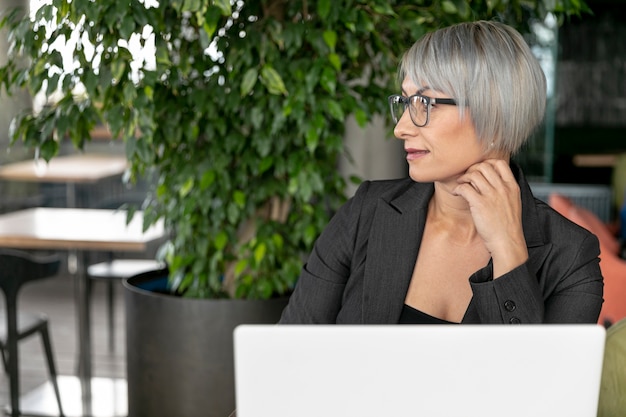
{"points": [[514, 298], [553, 287]]}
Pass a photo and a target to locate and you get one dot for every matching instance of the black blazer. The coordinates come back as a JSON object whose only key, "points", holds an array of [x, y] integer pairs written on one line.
{"points": [[361, 265]]}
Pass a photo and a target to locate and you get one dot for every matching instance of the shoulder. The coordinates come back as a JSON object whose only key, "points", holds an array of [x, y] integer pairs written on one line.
{"points": [[563, 233], [369, 192], [397, 194], [552, 219], [377, 188]]}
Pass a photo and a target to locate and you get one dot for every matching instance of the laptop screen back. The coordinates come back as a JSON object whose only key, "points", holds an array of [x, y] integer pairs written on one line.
{"points": [[446, 371]]}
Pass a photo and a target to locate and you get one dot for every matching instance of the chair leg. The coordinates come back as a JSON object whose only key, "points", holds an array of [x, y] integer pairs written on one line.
{"points": [[47, 345], [5, 359], [111, 314], [14, 383]]}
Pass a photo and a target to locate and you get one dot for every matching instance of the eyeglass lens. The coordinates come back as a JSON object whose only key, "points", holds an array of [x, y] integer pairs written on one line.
{"points": [[418, 108]]}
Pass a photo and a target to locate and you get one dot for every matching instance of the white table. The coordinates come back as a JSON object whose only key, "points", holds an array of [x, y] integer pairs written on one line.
{"points": [[80, 230], [71, 170]]}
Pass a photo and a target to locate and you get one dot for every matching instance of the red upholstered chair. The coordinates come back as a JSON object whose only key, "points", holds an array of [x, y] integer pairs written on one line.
{"points": [[613, 269]]}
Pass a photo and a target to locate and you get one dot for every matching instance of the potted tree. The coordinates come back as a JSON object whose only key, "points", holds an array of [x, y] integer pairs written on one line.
{"points": [[239, 108]]}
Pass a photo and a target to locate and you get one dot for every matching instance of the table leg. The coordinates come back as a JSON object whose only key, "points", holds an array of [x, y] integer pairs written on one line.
{"points": [[82, 295]]}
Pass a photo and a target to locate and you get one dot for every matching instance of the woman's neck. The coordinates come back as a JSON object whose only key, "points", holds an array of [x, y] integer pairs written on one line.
{"points": [[450, 214]]}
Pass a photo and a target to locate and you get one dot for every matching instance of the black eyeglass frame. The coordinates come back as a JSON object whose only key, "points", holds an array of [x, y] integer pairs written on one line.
{"points": [[395, 99]]}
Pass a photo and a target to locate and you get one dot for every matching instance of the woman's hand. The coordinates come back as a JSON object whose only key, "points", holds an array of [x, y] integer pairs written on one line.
{"points": [[493, 195]]}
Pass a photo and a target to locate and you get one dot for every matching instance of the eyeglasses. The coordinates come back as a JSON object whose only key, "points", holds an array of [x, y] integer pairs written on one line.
{"points": [[418, 105]]}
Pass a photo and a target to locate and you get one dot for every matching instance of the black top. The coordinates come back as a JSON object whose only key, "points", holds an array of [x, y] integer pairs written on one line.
{"points": [[411, 315]]}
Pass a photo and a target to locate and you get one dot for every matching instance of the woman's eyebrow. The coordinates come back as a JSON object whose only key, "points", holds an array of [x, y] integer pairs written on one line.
{"points": [[419, 91]]}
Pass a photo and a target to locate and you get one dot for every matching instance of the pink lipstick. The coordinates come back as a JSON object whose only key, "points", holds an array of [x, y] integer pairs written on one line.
{"points": [[413, 154]]}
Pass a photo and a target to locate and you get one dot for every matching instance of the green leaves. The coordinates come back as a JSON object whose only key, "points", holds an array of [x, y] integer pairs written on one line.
{"points": [[191, 5], [328, 80], [323, 8], [212, 20], [186, 188], [449, 7], [330, 38], [242, 118], [249, 80], [224, 6], [273, 81]]}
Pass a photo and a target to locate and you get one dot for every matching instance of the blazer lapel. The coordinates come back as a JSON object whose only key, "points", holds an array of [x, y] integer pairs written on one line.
{"points": [[393, 244], [538, 248], [395, 239]]}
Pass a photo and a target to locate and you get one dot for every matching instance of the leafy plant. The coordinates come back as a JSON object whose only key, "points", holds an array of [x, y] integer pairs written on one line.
{"points": [[240, 109]]}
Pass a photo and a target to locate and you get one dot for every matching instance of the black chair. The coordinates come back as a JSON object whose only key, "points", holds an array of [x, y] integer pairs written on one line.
{"points": [[16, 269]]}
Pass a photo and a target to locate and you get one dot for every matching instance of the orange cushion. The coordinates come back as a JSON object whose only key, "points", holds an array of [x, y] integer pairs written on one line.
{"points": [[560, 203]]}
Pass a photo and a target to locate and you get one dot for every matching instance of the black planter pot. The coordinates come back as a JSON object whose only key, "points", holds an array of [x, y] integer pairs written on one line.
{"points": [[179, 351]]}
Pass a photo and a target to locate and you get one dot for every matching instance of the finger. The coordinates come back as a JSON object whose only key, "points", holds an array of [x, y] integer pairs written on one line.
{"points": [[489, 175], [471, 181], [506, 177], [488, 168], [468, 192], [503, 169], [477, 179]]}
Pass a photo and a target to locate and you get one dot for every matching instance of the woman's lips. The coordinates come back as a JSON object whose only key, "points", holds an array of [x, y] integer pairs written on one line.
{"points": [[413, 154]]}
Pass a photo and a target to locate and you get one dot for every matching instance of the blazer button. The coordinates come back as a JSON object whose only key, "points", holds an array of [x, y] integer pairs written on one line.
{"points": [[509, 305], [515, 320]]}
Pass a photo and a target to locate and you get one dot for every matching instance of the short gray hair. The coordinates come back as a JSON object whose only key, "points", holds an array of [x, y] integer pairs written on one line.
{"points": [[489, 67]]}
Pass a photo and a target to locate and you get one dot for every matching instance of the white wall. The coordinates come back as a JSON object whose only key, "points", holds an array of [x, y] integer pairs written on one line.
{"points": [[376, 154]]}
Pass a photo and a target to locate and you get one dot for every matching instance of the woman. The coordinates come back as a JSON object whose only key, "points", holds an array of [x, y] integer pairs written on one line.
{"points": [[462, 240]]}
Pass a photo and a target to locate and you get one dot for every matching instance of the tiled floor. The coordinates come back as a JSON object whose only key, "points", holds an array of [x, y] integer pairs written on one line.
{"points": [[55, 298]]}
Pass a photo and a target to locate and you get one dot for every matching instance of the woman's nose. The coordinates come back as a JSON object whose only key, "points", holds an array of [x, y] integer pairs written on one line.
{"points": [[405, 127]]}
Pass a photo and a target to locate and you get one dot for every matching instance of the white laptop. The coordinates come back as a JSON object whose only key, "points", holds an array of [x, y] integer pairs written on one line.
{"points": [[412, 370]]}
